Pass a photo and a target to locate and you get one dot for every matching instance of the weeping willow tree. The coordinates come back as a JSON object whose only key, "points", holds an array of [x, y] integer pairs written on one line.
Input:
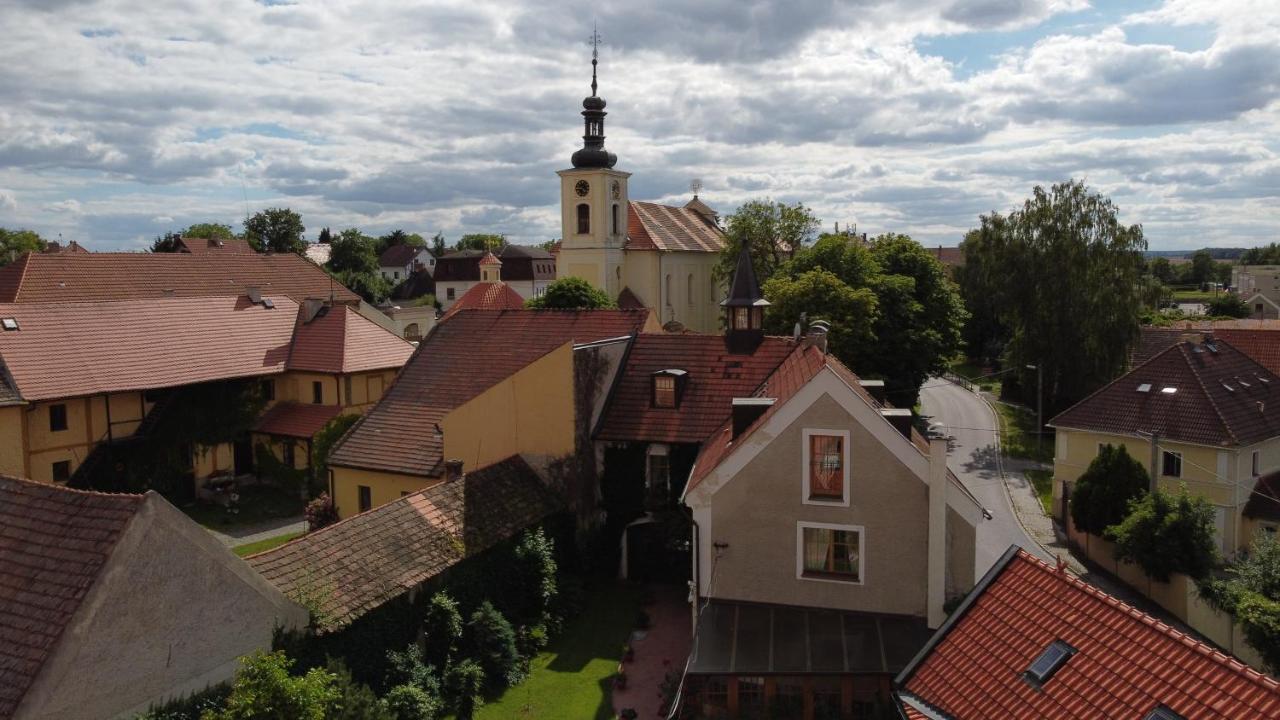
{"points": [[1056, 284]]}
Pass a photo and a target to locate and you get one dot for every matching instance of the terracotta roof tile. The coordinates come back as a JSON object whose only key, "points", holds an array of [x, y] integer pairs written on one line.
{"points": [[54, 543], [80, 277], [1126, 661], [1222, 398], [341, 340], [360, 563], [299, 420], [233, 246], [487, 296], [651, 226], [72, 349], [1261, 344], [461, 358]]}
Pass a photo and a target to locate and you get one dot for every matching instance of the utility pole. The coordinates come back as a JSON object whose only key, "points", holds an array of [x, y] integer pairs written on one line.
{"points": [[1039, 368]]}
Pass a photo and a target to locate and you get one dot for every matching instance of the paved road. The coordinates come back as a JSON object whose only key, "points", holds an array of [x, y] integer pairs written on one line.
{"points": [[974, 458]]}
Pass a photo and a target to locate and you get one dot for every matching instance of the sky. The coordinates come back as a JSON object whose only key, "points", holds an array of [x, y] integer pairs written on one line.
{"points": [[122, 120]]}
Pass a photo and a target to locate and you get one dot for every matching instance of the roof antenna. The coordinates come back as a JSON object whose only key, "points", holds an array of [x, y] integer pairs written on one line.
{"points": [[595, 55], [696, 186]]}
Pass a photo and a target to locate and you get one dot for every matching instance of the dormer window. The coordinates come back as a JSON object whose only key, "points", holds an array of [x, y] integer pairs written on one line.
{"points": [[667, 388]]}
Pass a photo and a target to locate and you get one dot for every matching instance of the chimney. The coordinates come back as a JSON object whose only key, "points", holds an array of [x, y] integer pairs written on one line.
{"points": [[900, 418], [452, 470], [817, 336], [746, 411], [874, 388], [937, 569], [310, 308], [254, 293]]}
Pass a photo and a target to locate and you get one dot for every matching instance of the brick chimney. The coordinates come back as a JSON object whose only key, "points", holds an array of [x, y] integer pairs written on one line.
{"points": [[452, 470]]}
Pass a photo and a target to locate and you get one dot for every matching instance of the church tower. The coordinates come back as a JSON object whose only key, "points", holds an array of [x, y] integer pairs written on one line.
{"points": [[593, 203]]}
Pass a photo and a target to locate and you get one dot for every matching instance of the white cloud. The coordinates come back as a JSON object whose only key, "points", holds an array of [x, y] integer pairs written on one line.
{"points": [[7, 200]]}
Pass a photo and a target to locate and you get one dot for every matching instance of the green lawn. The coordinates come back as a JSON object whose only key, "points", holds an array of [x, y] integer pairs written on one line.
{"points": [[1042, 481], [572, 678], [1018, 434], [263, 545], [258, 504], [1193, 296]]}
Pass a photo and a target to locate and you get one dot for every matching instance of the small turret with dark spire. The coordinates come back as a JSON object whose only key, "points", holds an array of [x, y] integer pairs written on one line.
{"points": [[593, 154], [744, 307]]}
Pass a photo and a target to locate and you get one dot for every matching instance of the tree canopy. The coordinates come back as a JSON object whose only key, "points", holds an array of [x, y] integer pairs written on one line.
{"points": [[1054, 284], [570, 293], [169, 242], [278, 230], [353, 260], [13, 243], [481, 241], [209, 231], [1166, 534], [775, 231], [265, 690], [1102, 493], [1251, 592]]}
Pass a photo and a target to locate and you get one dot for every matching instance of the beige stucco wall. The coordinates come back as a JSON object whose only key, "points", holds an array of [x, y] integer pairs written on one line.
{"points": [[529, 412], [170, 614], [757, 511], [383, 487], [86, 425]]}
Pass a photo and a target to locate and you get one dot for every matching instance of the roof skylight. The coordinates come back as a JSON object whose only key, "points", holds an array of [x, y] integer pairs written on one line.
{"points": [[1168, 390], [1144, 387], [1162, 712], [9, 323], [1049, 661]]}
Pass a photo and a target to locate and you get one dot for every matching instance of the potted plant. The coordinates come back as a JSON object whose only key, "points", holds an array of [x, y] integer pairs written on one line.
{"points": [[620, 680], [628, 653]]}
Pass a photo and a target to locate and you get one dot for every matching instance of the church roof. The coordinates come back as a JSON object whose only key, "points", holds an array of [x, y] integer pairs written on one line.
{"points": [[651, 226]]}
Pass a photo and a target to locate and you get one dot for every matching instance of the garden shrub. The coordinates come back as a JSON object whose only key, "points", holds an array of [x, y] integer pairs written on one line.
{"points": [[441, 629], [355, 700], [463, 687], [190, 707], [406, 667], [492, 644], [1166, 534], [264, 690], [320, 512], [323, 442], [1251, 593], [1101, 495], [410, 702], [534, 577]]}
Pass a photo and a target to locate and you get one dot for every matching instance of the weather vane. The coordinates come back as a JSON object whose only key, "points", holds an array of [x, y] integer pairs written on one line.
{"points": [[595, 55]]}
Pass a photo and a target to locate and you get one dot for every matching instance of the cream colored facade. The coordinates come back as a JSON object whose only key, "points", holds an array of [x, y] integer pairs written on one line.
{"points": [[753, 506], [677, 285], [383, 487], [1223, 476]]}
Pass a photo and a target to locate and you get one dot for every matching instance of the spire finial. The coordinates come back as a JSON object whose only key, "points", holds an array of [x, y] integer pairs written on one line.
{"points": [[595, 55]]}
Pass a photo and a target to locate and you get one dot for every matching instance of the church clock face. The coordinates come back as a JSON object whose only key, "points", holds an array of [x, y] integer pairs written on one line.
{"points": [[617, 189], [582, 188]]}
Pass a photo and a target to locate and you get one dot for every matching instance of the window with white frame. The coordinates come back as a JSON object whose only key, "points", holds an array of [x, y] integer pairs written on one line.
{"points": [[825, 467], [830, 552], [1171, 464]]}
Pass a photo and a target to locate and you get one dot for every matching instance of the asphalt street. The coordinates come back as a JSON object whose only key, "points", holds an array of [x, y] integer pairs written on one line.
{"points": [[973, 456]]}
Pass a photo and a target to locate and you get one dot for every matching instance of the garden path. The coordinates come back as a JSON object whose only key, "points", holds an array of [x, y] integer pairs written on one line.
{"points": [[663, 647]]}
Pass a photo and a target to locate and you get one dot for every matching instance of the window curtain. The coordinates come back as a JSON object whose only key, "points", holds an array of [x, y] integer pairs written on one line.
{"points": [[817, 548], [825, 459]]}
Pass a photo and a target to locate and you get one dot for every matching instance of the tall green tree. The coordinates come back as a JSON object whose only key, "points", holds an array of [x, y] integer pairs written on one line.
{"points": [[481, 241], [326, 236], [277, 230], [438, 246], [354, 262], [1162, 270], [209, 231], [265, 690], [13, 243], [1201, 267], [1062, 274], [1166, 534], [1102, 493], [1268, 254], [169, 242], [821, 295], [775, 231], [571, 293]]}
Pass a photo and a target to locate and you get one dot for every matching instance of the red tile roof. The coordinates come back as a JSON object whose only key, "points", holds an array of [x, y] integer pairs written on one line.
{"points": [[54, 543], [461, 358], [487, 296], [1223, 398], [81, 277], [1260, 343], [233, 246], [73, 349], [341, 340], [716, 376], [1126, 663], [651, 226], [360, 563], [1264, 501], [299, 420]]}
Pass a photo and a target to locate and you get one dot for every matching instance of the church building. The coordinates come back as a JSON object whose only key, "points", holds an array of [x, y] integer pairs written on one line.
{"points": [[642, 253]]}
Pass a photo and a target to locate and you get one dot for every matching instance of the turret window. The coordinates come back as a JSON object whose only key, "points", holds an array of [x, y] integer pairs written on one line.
{"points": [[615, 219], [584, 219], [742, 318]]}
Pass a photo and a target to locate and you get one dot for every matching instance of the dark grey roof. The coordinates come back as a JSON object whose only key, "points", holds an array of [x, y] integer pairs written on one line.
{"points": [[745, 289]]}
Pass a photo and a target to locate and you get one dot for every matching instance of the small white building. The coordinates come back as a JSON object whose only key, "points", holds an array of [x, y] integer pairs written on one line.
{"points": [[398, 261]]}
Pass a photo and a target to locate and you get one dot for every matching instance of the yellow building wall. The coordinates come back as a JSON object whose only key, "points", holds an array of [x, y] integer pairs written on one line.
{"points": [[383, 487], [301, 449], [216, 460], [296, 387], [529, 412], [13, 453]]}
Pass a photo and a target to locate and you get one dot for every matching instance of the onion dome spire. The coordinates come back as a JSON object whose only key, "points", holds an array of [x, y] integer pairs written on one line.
{"points": [[592, 154]]}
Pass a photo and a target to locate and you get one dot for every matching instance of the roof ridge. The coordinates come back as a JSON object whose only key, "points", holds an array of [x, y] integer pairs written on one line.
{"points": [[135, 497], [1208, 395], [1091, 395]]}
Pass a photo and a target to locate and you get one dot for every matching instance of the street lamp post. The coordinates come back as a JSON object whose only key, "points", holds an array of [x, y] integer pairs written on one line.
{"points": [[1039, 368]]}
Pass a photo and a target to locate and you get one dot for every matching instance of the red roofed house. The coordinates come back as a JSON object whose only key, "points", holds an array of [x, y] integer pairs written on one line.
{"points": [[663, 254], [400, 261], [1033, 641], [78, 378], [110, 603], [1214, 412], [527, 270]]}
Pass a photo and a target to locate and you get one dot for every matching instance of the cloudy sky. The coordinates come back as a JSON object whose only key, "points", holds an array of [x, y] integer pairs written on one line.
{"points": [[120, 120]]}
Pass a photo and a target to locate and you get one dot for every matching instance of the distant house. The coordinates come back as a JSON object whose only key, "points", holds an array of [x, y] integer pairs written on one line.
{"points": [[355, 566], [1259, 339], [1205, 413], [53, 246], [527, 270], [1259, 287], [1034, 641], [113, 602], [398, 261], [950, 257], [228, 246]]}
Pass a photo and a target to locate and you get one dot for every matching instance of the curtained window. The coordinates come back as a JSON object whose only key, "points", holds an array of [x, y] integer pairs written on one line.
{"points": [[831, 552], [826, 467]]}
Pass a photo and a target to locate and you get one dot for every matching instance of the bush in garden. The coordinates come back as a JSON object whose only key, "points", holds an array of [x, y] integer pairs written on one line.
{"points": [[492, 644], [1166, 534], [355, 700], [463, 688], [1101, 495], [264, 690], [410, 702], [1251, 593], [534, 574], [442, 627], [406, 667], [320, 512]]}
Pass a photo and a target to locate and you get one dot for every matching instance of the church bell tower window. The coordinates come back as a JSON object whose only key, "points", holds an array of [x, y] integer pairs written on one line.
{"points": [[584, 219], [614, 210]]}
